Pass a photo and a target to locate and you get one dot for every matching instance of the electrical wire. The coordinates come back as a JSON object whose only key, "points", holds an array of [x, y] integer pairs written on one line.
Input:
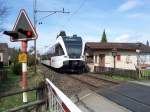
{"points": [[46, 16], [74, 13], [78, 9]]}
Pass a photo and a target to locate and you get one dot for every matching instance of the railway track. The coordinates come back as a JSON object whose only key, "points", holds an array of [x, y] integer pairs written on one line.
{"points": [[85, 82], [94, 82], [71, 83], [104, 79]]}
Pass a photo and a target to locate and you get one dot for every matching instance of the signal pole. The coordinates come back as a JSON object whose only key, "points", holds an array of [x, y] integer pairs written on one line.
{"points": [[35, 11], [24, 71]]}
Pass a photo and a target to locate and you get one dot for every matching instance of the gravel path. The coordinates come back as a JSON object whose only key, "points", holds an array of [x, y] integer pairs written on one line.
{"points": [[66, 84]]}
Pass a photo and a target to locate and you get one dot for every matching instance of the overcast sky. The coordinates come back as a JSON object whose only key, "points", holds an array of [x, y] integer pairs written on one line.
{"points": [[123, 20]]}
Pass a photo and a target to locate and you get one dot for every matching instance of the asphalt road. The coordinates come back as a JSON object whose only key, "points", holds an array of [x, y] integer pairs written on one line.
{"points": [[134, 97]]}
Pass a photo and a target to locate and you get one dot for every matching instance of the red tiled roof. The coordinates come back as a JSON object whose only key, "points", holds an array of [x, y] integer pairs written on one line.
{"points": [[118, 46]]}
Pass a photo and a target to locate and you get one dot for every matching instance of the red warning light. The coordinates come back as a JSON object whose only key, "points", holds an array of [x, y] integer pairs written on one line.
{"points": [[29, 33]]}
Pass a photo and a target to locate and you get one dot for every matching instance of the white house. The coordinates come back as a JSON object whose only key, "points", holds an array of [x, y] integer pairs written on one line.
{"points": [[118, 55]]}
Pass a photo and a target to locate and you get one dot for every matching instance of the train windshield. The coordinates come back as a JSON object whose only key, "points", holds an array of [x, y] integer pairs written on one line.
{"points": [[73, 46]]}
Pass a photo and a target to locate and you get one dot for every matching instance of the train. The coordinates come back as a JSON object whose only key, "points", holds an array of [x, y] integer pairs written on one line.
{"points": [[67, 54]]}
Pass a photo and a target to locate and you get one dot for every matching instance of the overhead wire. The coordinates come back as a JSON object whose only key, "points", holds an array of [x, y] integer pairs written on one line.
{"points": [[78, 9], [74, 13]]}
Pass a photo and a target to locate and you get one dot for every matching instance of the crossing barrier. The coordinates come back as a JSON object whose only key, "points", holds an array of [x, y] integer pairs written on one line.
{"points": [[58, 102]]}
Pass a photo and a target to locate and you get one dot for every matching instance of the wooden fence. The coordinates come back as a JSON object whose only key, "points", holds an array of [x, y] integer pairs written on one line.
{"points": [[117, 71], [39, 105]]}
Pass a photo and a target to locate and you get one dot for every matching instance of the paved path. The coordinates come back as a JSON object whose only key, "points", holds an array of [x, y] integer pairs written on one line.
{"points": [[133, 96], [89, 101]]}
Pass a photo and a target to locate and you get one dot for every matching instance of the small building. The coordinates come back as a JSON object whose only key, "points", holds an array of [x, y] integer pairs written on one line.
{"points": [[118, 55], [4, 53]]}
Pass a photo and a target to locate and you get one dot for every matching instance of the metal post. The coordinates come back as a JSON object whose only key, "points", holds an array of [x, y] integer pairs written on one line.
{"points": [[35, 23], [114, 53], [138, 63], [24, 71], [114, 62], [35, 11]]}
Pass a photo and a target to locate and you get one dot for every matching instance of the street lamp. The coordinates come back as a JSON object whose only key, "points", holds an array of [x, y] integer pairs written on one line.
{"points": [[114, 53], [138, 61], [138, 54]]}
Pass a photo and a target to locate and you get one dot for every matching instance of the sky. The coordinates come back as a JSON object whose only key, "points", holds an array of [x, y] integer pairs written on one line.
{"points": [[123, 20]]}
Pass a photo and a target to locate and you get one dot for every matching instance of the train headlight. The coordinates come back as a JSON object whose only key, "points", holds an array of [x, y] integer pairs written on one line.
{"points": [[82, 56]]}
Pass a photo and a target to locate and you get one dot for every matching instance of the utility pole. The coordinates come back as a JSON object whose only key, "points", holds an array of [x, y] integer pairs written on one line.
{"points": [[35, 23], [35, 11]]}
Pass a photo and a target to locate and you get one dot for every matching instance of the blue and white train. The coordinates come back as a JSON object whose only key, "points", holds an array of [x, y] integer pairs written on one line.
{"points": [[66, 54]]}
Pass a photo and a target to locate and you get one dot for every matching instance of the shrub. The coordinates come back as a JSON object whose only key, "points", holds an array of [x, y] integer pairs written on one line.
{"points": [[31, 60], [16, 68]]}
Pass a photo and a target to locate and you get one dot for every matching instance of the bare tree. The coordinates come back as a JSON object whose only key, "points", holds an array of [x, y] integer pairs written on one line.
{"points": [[3, 13]]}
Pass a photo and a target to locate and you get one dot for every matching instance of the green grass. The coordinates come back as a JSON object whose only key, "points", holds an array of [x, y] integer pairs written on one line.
{"points": [[11, 81], [115, 77], [12, 84], [14, 101], [122, 78], [146, 73]]}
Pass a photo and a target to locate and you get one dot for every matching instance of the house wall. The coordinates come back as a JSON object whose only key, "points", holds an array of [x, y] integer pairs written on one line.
{"points": [[128, 59]]}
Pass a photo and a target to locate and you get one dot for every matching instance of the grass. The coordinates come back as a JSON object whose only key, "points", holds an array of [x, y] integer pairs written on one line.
{"points": [[12, 84], [14, 101], [11, 80], [120, 78], [146, 72]]}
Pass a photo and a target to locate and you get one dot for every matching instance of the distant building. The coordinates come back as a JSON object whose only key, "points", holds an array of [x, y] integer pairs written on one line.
{"points": [[128, 55], [4, 53]]}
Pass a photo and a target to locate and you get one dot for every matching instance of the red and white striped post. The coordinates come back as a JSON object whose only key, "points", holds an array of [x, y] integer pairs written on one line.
{"points": [[24, 71]]}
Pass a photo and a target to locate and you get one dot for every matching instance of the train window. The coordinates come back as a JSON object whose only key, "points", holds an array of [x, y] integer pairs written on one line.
{"points": [[59, 50], [73, 46]]}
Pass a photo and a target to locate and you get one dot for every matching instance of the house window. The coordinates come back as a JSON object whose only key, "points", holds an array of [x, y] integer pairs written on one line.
{"points": [[118, 57], [128, 59]]}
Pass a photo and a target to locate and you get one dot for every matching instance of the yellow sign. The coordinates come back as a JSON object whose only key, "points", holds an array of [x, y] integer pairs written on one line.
{"points": [[22, 58]]}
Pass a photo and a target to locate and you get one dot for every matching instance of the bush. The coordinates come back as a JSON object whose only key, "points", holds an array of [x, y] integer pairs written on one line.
{"points": [[31, 61], [16, 68]]}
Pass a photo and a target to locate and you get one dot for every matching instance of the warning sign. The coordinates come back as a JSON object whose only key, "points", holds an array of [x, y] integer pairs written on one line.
{"points": [[22, 58], [24, 28]]}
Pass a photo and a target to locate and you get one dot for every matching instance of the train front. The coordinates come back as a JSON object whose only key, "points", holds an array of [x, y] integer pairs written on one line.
{"points": [[75, 54]]}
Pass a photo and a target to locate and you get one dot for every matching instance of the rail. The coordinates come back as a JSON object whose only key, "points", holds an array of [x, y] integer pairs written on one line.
{"points": [[58, 102]]}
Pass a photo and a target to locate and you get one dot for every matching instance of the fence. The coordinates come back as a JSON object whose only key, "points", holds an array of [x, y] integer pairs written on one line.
{"points": [[26, 106], [145, 74], [117, 71], [49, 98], [58, 102]]}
